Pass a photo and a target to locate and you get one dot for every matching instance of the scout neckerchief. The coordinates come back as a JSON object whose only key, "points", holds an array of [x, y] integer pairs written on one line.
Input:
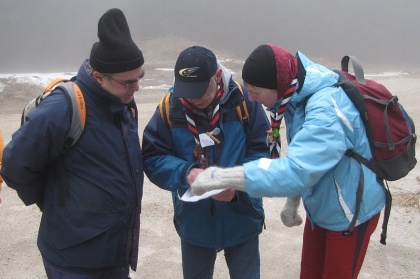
{"points": [[276, 115], [212, 127]]}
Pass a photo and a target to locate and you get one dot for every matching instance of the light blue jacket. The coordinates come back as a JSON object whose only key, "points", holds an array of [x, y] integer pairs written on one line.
{"points": [[315, 166]]}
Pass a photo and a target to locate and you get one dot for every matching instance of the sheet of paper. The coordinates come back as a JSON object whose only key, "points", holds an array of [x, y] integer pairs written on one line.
{"points": [[189, 197]]}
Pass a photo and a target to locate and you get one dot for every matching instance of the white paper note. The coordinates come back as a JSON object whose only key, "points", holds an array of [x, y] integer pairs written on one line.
{"points": [[188, 196]]}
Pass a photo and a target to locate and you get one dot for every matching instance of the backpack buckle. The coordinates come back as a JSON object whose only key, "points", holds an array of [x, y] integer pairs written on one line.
{"points": [[347, 233]]}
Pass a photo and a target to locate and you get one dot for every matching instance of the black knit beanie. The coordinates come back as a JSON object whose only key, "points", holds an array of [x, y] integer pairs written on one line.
{"points": [[260, 68], [116, 51]]}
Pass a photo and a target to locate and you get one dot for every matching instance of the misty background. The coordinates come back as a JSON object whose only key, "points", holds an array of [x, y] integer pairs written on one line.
{"points": [[52, 35]]}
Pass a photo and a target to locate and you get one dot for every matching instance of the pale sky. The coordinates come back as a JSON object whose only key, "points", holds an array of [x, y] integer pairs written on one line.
{"points": [[46, 33]]}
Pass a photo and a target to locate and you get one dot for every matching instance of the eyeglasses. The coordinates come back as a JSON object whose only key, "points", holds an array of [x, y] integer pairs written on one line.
{"points": [[125, 83]]}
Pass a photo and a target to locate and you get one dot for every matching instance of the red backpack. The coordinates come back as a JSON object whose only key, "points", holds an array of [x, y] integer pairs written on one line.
{"points": [[389, 128], [390, 131]]}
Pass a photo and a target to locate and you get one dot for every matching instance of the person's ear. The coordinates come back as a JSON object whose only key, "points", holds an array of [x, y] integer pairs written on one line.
{"points": [[98, 77], [219, 75]]}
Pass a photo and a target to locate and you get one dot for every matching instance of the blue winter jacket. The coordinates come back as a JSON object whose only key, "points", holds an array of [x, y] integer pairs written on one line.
{"points": [[168, 158], [97, 225], [315, 166]]}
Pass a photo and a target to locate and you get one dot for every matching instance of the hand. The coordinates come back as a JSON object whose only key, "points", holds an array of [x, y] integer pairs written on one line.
{"points": [[214, 178], [225, 196], [193, 174], [203, 181], [289, 215]]}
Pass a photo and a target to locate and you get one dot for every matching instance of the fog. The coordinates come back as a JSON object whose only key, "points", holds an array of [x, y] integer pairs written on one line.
{"points": [[48, 35]]}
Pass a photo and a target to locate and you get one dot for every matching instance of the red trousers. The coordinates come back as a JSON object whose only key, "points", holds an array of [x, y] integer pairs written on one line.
{"points": [[329, 254]]}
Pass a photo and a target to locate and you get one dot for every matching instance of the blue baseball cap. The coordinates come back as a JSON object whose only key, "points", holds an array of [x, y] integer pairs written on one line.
{"points": [[194, 69]]}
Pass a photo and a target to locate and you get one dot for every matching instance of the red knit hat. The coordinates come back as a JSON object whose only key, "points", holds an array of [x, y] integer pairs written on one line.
{"points": [[270, 66]]}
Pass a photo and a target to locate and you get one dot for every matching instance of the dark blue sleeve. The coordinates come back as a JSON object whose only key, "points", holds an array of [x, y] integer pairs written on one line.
{"points": [[35, 145], [161, 166]]}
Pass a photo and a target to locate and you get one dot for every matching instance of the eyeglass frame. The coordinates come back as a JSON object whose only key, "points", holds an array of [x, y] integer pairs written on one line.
{"points": [[125, 83]]}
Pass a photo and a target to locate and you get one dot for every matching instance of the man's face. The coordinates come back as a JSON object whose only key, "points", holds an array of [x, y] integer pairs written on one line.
{"points": [[122, 85], [265, 96], [208, 97]]}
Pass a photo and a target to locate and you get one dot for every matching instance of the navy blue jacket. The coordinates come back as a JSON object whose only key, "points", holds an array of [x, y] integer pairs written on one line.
{"points": [[98, 224], [168, 158]]}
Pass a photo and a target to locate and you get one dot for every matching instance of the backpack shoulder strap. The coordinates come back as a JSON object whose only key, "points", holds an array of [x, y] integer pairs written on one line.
{"points": [[243, 115], [242, 109], [77, 111], [35, 102], [77, 124], [50, 86], [164, 107]]}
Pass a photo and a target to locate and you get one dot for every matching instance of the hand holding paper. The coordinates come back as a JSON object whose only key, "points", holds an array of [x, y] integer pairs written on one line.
{"points": [[214, 178]]}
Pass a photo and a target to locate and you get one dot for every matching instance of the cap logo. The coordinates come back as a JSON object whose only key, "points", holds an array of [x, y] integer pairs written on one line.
{"points": [[189, 72]]}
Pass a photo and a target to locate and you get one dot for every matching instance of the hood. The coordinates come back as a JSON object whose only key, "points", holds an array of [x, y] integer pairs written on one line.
{"points": [[226, 77], [312, 77]]}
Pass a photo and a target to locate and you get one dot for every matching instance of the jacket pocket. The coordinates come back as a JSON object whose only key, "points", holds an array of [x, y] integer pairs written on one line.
{"points": [[68, 228]]}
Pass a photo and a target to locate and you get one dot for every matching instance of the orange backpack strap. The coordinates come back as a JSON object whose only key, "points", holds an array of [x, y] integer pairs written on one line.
{"points": [[53, 83], [78, 107], [242, 109], [164, 107]]}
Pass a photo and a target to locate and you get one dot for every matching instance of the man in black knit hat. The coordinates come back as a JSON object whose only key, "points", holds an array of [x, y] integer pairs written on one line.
{"points": [[91, 195]]}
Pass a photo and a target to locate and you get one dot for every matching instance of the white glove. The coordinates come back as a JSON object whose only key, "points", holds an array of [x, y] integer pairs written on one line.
{"points": [[289, 215], [214, 178]]}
